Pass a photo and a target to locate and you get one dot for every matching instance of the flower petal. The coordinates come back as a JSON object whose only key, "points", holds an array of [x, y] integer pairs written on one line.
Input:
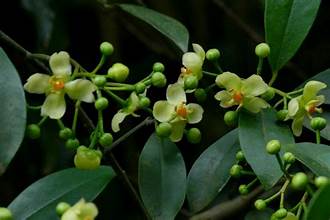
{"points": [[199, 51], [195, 113], [229, 81], [297, 125], [175, 94], [70, 214], [133, 102], [193, 62], [254, 104], [223, 96], [37, 83], [80, 89], [254, 86], [311, 89], [117, 119], [293, 106], [60, 63], [89, 211], [163, 111], [177, 130], [54, 106]]}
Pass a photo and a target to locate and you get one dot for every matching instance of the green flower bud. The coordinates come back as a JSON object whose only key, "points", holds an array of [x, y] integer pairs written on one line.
{"points": [[106, 140], [72, 144], [194, 135], [190, 82], [289, 158], [290, 216], [273, 147], [299, 181], [269, 94], [240, 156], [318, 123], [243, 189], [5, 214], [281, 114], [164, 129], [158, 67], [65, 133], [158, 79], [33, 131], [231, 118], [321, 181], [87, 159], [106, 48], [235, 171], [262, 50], [200, 95], [281, 213], [212, 54], [61, 208], [140, 87], [144, 102], [101, 103], [118, 72], [260, 204], [273, 217], [100, 81]]}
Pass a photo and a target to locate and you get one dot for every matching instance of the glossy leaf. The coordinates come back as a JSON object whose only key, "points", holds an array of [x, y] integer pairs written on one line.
{"points": [[287, 23], [319, 205], [166, 25], [255, 130], [39, 200], [210, 172], [315, 156], [259, 215], [162, 178], [13, 111]]}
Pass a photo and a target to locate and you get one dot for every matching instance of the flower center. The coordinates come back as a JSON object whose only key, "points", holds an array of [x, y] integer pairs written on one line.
{"points": [[185, 71], [182, 110], [237, 96], [312, 109], [57, 83]]}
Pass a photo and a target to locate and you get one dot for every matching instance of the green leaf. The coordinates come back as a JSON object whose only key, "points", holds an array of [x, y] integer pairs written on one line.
{"points": [[39, 200], [162, 178], [315, 156], [210, 172], [255, 130], [166, 25], [287, 23], [318, 207], [259, 215], [13, 111]]}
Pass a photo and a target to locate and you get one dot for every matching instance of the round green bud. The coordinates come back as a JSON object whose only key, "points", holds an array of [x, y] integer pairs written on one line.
{"points": [[61, 208], [260, 204], [212, 54], [235, 171], [65, 133], [72, 144], [164, 129], [190, 82], [281, 114], [106, 140], [321, 181], [101, 103], [194, 135], [158, 79], [100, 81], [118, 72], [5, 214], [144, 102], [87, 159], [269, 94], [240, 156], [318, 123], [289, 158], [140, 87], [200, 95], [273, 147], [106, 48], [33, 131], [158, 67], [231, 118], [262, 50], [290, 216], [243, 189], [281, 213], [299, 181], [273, 217]]}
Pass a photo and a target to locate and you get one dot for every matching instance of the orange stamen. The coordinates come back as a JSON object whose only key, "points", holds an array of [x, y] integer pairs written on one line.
{"points": [[58, 84], [182, 110], [237, 96], [185, 71]]}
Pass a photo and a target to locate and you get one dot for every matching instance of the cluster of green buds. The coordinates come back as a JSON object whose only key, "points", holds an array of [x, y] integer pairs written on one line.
{"points": [[82, 210]]}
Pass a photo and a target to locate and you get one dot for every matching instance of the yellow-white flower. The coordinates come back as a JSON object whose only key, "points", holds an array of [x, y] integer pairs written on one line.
{"points": [[81, 211]]}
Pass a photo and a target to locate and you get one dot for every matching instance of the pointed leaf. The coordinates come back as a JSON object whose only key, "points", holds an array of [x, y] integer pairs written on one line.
{"points": [[255, 130], [39, 200], [210, 172], [166, 25], [318, 207], [287, 23], [13, 111], [162, 178]]}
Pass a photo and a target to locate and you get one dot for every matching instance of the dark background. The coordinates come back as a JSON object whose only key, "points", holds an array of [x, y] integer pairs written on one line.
{"points": [[47, 26]]}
